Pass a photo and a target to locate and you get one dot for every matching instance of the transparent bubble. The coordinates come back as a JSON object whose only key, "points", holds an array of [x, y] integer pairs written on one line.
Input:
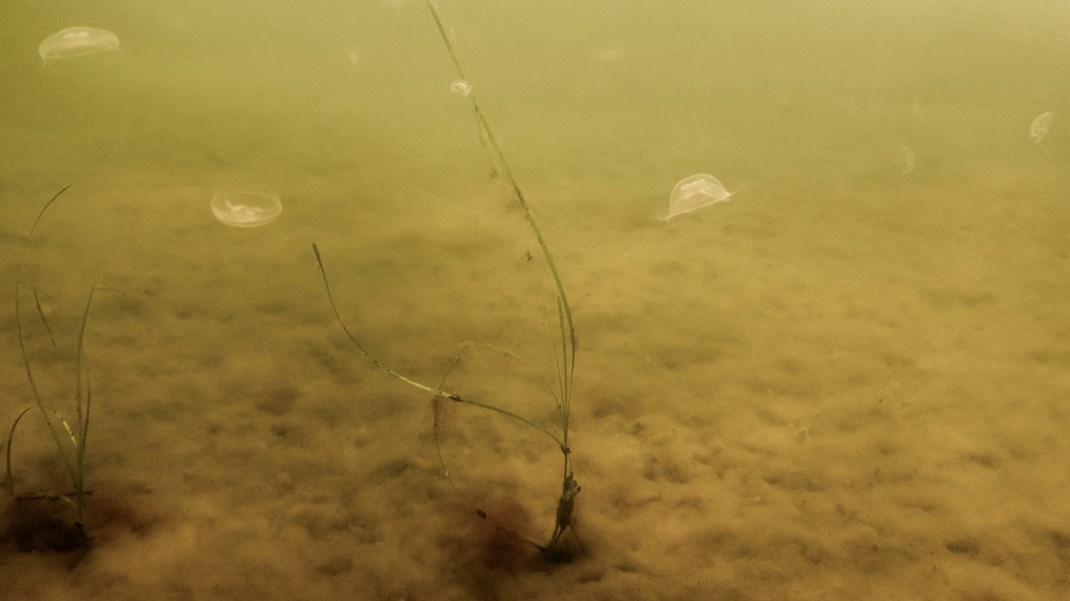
{"points": [[461, 87], [245, 209], [695, 192], [77, 41]]}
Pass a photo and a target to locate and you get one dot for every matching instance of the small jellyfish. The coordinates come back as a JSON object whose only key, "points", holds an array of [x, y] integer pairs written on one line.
{"points": [[1041, 126], [245, 209], [354, 56], [77, 41], [907, 160], [695, 192], [610, 55], [461, 87]]}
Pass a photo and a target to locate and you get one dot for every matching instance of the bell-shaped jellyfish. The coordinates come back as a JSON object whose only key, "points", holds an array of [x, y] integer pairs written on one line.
{"points": [[908, 161], [461, 87], [245, 209], [1040, 126], [695, 192], [354, 56], [77, 41]]}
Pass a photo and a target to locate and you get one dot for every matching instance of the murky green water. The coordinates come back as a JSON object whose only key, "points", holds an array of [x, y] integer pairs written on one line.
{"points": [[848, 381]]}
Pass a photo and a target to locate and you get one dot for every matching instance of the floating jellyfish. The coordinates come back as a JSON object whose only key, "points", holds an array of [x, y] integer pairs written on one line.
{"points": [[610, 55], [461, 87], [1040, 126], [695, 192], [907, 160], [354, 56], [245, 209], [77, 41]]}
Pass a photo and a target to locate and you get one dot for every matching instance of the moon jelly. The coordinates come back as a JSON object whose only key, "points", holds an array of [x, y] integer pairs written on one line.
{"points": [[354, 56], [908, 161], [245, 209], [77, 41], [1040, 126], [695, 192], [461, 87]]}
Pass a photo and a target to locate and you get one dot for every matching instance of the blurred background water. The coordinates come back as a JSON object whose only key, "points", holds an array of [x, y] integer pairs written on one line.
{"points": [[888, 283]]}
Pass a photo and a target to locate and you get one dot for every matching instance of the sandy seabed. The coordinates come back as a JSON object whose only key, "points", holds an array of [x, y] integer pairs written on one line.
{"points": [[846, 383]]}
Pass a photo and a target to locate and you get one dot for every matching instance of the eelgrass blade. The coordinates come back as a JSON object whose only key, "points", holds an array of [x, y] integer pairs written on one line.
{"points": [[65, 456], [437, 409], [69, 429], [426, 388], [41, 314], [568, 356], [83, 408], [567, 364], [9, 481]]}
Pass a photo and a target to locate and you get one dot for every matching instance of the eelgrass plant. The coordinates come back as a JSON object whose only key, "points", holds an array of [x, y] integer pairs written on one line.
{"points": [[70, 437], [564, 334]]}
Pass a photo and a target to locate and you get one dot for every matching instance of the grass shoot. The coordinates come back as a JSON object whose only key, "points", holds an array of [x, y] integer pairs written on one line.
{"points": [[564, 335], [69, 437]]}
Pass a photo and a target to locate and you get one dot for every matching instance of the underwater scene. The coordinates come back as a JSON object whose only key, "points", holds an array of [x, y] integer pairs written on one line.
{"points": [[594, 300]]}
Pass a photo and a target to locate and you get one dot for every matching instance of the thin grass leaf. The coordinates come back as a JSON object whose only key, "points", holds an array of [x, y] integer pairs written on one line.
{"points": [[567, 362], [568, 353], [68, 461], [411, 382], [41, 314], [9, 481], [74, 459]]}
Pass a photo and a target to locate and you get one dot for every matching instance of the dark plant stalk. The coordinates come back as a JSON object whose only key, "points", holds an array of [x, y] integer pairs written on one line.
{"points": [[73, 457], [439, 393], [567, 356], [9, 480], [53, 430]]}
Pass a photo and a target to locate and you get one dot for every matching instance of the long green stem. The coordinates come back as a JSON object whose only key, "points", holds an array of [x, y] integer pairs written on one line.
{"points": [[567, 357], [411, 382], [74, 459], [52, 429], [83, 409], [9, 480]]}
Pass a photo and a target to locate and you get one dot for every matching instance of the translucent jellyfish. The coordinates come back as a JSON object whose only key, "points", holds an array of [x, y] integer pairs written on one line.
{"points": [[1040, 126], [245, 209], [77, 41], [695, 192], [907, 160], [461, 87], [610, 55], [354, 56]]}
